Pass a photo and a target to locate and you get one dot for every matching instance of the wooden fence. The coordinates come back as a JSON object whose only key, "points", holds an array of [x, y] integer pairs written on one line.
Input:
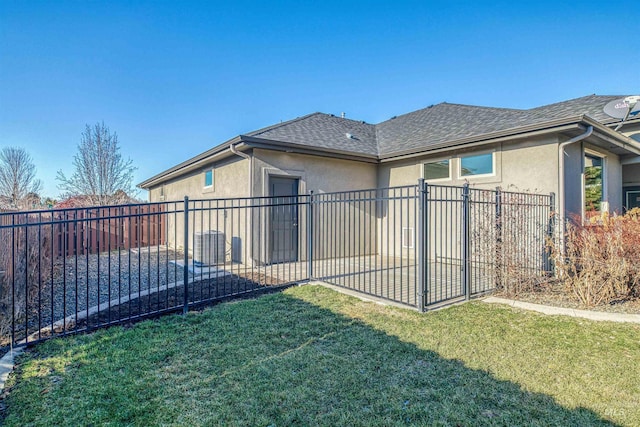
{"points": [[96, 229]]}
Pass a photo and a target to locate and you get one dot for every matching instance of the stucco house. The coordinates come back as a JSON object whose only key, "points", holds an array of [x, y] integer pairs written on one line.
{"points": [[544, 149]]}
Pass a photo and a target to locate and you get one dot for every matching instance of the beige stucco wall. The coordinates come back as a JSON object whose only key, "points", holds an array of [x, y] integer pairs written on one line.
{"points": [[631, 169], [320, 175], [246, 228], [522, 166], [230, 179], [573, 163], [613, 183], [529, 166]]}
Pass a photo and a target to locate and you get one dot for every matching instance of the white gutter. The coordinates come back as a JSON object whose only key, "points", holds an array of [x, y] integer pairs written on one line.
{"points": [[232, 147], [561, 154]]}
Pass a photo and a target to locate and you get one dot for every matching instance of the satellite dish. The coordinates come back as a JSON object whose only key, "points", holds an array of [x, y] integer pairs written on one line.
{"points": [[620, 108], [623, 108]]}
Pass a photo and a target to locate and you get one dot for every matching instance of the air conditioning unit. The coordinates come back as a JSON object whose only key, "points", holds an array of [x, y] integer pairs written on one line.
{"points": [[208, 247]]}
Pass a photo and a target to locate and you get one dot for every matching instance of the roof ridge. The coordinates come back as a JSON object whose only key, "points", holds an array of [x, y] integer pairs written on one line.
{"points": [[482, 106], [593, 95], [281, 124], [410, 112], [450, 104]]}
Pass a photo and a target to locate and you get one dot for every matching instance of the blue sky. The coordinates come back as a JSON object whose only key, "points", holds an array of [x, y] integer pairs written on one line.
{"points": [[176, 78]]}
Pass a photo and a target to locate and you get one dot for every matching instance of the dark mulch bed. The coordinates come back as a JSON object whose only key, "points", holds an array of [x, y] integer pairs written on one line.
{"points": [[200, 293]]}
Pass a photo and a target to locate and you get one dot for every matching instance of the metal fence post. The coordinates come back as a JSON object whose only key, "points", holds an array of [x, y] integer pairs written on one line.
{"points": [[185, 277], [422, 272], [310, 236], [466, 242], [498, 261], [551, 228]]}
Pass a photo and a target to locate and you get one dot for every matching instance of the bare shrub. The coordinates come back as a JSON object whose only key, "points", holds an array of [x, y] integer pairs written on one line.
{"points": [[600, 263], [25, 259], [510, 237]]}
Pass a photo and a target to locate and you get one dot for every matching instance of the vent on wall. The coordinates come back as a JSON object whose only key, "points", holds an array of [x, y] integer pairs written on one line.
{"points": [[208, 247], [407, 237]]}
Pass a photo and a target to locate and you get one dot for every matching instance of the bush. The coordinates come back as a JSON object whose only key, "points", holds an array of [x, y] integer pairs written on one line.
{"points": [[601, 260], [25, 260], [512, 245]]}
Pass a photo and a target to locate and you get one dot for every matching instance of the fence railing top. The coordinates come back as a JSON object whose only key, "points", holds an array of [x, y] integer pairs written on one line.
{"points": [[81, 208]]}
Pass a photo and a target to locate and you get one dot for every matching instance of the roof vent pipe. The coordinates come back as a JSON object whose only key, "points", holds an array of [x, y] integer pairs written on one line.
{"points": [[342, 114]]}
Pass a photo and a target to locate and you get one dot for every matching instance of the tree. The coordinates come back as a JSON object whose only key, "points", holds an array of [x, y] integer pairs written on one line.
{"points": [[100, 171], [593, 187], [17, 175]]}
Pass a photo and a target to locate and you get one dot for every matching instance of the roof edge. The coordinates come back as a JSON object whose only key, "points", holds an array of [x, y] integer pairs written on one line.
{"points": [[252, 140], [189, 162], [522, 131]]}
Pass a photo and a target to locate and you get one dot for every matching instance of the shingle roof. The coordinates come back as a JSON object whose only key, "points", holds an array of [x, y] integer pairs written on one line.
{"points": [[591, 105], [435, 125], [429, 127], [324, 131], [438, 126]]}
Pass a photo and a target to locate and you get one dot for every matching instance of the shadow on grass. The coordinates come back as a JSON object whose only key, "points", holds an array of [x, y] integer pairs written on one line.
{"points": [[132, 307], [275, 360]]}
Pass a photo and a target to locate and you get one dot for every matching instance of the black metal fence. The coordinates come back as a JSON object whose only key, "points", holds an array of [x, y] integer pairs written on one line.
{"points": [[426, 245], [420, 246]]}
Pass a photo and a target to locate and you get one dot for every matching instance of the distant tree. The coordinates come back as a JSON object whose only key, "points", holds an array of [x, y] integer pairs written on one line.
{"points": [[31, 201], [100, 171], [17, 175]]}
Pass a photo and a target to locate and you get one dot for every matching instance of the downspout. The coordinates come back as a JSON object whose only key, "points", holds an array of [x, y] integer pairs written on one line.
{"points": [[561, 192], [561, 183], [232, 147]]}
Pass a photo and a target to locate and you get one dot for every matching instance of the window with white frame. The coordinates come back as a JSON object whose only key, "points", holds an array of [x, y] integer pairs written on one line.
{"points": [[479, 164], [437, 170], [208, 178]]}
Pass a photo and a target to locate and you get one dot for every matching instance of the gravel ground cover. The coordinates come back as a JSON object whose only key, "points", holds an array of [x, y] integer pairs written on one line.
{"points": [[125, 285], [86, 281], [110, 276]]}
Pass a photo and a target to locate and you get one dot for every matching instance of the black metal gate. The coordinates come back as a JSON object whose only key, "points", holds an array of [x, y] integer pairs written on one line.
{"points": [[427, 245]]}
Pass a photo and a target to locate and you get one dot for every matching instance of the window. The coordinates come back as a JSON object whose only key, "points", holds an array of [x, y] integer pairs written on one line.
{"points": [[437, 170], [593, 183], [481, 164], [208, 178]]}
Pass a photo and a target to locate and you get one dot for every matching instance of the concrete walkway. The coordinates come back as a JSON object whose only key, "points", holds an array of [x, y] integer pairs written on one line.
{"points": [[6, 365], [585, 314]]}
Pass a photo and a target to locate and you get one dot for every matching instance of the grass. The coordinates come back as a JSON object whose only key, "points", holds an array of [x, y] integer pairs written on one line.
{"points": [[311, 356]]}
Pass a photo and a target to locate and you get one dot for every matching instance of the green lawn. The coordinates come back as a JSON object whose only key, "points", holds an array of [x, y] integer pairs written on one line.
{"points": [[311, 356]]}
